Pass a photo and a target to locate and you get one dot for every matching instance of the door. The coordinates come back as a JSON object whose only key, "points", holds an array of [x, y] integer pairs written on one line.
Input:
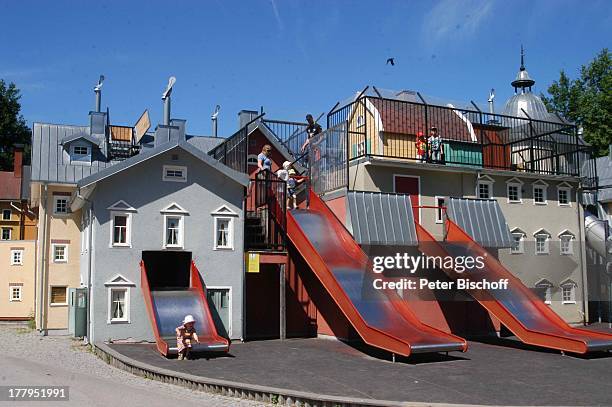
{"points": [[219, 301], [406, 184]]}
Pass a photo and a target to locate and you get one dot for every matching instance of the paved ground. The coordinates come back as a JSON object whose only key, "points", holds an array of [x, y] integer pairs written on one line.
{"points": [[503, 372], [28, 359]]}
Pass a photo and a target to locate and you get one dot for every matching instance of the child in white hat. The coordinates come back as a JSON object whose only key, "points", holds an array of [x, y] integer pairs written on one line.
{"points": [[186, 336]]}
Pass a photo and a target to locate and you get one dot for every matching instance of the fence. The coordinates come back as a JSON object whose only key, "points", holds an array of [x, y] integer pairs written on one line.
{"points": [[328, 159], [377, 126], [266, 213]]}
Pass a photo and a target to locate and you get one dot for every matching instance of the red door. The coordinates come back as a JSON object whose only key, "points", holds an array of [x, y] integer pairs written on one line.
{"points": [[409, 185]]}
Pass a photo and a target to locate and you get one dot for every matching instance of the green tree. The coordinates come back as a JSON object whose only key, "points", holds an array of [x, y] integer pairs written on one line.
{"points": [[587, 100], [13, 128]]}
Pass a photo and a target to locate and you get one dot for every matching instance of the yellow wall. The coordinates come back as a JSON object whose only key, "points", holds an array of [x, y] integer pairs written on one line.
{"points": [[17, 274], [63, 229], [14, 223]]}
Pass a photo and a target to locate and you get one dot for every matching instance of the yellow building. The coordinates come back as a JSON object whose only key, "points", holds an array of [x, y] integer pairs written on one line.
{"points": [[17, 289]]}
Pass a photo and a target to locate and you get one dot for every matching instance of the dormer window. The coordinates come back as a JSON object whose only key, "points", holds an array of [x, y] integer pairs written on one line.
{"points": [[80, 153], [80, 150]]}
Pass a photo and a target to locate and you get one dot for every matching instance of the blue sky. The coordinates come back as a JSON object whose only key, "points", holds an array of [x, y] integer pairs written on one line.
{"points": [[292, 57]]}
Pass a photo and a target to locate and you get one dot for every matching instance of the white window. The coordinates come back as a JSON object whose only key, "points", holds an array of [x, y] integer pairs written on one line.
{"points": [[566, 243], [6, 214], [484, 188], [542, 239], [14, 292], [118, 289], [174, 173], [514, 190], [223, 233], [563, 196], [118, 304], [518, 243], [16, 257], [568, 292], [224, 228], [60, 253], [59, 295], [6, 233], [545, 287], [539, 193], [440, 205], [60, 205], [174, 226], [252, 159], [121, 225]]}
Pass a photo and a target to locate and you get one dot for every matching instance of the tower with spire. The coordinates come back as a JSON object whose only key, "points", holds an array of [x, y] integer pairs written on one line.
{"points": [[522, 81]]}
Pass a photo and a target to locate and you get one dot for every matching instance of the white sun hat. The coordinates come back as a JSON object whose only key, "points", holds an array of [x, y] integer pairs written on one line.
{"points": [[188, 319], [286, 165]]}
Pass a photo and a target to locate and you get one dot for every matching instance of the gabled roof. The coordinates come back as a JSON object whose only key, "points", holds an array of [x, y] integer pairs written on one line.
{"points": [[236, 176], [80, 136], [276, 144]]}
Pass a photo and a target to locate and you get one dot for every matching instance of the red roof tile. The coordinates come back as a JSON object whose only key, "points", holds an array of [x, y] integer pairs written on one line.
{"points": [[10, 186]]}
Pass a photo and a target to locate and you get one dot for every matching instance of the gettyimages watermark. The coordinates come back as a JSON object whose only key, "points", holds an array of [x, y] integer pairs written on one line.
{"points": [[34, 393]]}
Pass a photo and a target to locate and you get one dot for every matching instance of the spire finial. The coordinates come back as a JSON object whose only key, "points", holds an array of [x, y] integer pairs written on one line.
{"points": [[522, 58]]}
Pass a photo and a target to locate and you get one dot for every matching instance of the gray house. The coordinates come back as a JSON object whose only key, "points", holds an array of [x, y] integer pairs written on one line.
{"points": [[167, 206]]}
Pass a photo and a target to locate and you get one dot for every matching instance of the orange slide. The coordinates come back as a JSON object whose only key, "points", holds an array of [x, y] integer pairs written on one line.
{"points": [[382, 318], [517, 307]]}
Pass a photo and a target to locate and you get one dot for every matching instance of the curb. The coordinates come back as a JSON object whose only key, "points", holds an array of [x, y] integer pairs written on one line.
{"points": [[265, 394]]}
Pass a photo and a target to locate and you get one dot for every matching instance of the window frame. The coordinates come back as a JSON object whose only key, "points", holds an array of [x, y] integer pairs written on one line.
{"points": [[13, 253], [57, 304], [546, 250], [570, 237], [54, 246], [128, 229], [10, 214], [20, 289], [514, 182], [10, 233], [126, 318], [180, 244], [439, 212], [572, 297], [484, 180], [181, 168], [568, 191], [544, 188], [521, 243], [57, 198], [548, 293], [230, 231]]}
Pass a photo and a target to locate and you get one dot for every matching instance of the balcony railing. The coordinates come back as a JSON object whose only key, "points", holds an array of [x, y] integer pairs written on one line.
{"points": [[380, 127], [266, 212]]}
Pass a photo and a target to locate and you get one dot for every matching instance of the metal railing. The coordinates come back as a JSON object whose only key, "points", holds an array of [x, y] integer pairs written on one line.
{"points": [[328, 158], [121, 150], [233, 152], [377, 126], [266, 207], [291, 134]]}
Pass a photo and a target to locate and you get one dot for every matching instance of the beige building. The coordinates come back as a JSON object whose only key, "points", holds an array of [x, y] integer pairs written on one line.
{"points": [[17, 280]]}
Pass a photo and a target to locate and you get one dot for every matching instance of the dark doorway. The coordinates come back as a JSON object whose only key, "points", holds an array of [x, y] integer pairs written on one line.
{"points": [[167, 270], [263, 303]]}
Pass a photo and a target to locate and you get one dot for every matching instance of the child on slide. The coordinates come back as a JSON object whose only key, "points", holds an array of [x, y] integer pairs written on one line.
{"points": [[186, 336]]}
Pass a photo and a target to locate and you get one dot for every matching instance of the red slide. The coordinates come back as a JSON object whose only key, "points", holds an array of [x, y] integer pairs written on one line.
{"points": [[167, 308], [518, 308], [382, 318]]}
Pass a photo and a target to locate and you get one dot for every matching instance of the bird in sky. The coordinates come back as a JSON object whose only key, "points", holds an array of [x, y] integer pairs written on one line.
{"points": [[391, 61]]}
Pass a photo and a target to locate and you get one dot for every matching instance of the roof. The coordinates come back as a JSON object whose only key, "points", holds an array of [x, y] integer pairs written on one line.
{"points": [[407, 118], [76, 136], [482, 219], [531, 103], [10, 186], [50, 164], [381, 219], [205, 143], [240, 178]]}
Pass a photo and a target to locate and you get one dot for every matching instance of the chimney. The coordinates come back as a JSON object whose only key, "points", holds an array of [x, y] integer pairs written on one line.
{"points": [[245, 116], [166, 99], [18, 160], [98, 92], [178, 129], [214, 118]]}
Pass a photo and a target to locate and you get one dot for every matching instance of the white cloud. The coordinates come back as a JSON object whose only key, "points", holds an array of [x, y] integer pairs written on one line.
{"points": [[455, 19], [277, 16]]}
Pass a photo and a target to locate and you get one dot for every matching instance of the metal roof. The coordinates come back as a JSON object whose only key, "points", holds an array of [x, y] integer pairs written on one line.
{"points": [[482, 219], [378, 218], [204, 143], [50, 164], [85, 136], [240, 178], [530, 103]]}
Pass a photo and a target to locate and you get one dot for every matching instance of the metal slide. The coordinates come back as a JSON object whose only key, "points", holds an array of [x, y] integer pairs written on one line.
{"points": [[596, 236], [167, 308], [518, 308], [382, 318]]}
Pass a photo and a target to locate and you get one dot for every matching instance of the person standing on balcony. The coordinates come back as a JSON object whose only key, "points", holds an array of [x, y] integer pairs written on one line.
{"points": [[264, 163], [312, 130], [434, 145], [421, 147]]}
